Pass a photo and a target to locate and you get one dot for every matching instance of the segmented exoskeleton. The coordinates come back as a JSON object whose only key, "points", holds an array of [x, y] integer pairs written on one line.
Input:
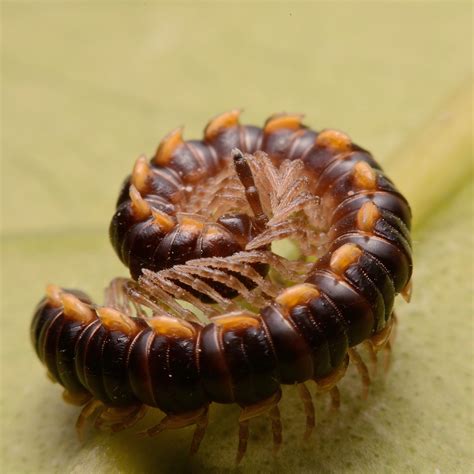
{"points": [[196, 223]]}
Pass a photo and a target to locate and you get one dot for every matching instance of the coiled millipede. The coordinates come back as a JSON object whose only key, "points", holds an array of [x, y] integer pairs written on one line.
{"points": [[196, 224]]}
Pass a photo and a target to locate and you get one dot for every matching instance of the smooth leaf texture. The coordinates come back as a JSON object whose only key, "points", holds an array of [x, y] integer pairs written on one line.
{"points": [[88, 86]]}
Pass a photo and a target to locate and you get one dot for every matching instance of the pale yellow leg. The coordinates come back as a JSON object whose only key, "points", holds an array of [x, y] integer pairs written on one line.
{"points": [[174, 422], [116, 419], [387, 360], [269, 405], [305, 396], [335, 398], [380, 338], [243, 440], [197, 417], [407, 291], [328, 384], [130, 421], [77, 399], [384, 339], [394, 324], [199, 432], [51, 377], [88, 411], [356, 359], [277, 429], [372, 356]]}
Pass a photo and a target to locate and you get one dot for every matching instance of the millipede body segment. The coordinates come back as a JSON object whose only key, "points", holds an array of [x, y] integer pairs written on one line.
{"points": [[196, 223]]}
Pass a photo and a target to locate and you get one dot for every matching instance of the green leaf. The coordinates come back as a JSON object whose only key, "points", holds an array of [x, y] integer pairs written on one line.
{"points": [[87, 87]]}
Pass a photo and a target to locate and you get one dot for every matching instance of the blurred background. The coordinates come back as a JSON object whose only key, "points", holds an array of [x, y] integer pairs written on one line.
{"points": [[88, 86]]}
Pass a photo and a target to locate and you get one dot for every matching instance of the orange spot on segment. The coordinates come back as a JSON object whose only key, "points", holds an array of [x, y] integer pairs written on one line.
{"points": [[334, 139], [114, 320], [140, 208], [141, 174], [367, 216], [171, 327], [75, 309], [167, 147], [236, 321], [344, 256], [219, 123], [53, 294], [296, 295], [283, 121], [364, 175]]}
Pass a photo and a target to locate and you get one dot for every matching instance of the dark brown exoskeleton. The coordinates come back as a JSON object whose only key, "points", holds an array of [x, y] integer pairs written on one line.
{"points": [[197, 223]]}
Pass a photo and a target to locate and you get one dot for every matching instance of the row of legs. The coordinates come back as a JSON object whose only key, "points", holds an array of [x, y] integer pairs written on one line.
{"points": [[114, 419]]}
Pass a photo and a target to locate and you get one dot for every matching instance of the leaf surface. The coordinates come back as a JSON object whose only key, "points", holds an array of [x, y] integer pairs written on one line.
{"points": [[88, 87]]}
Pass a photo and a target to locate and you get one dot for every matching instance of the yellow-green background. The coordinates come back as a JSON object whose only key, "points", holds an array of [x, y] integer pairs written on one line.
{"points": [[88, 86]]}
